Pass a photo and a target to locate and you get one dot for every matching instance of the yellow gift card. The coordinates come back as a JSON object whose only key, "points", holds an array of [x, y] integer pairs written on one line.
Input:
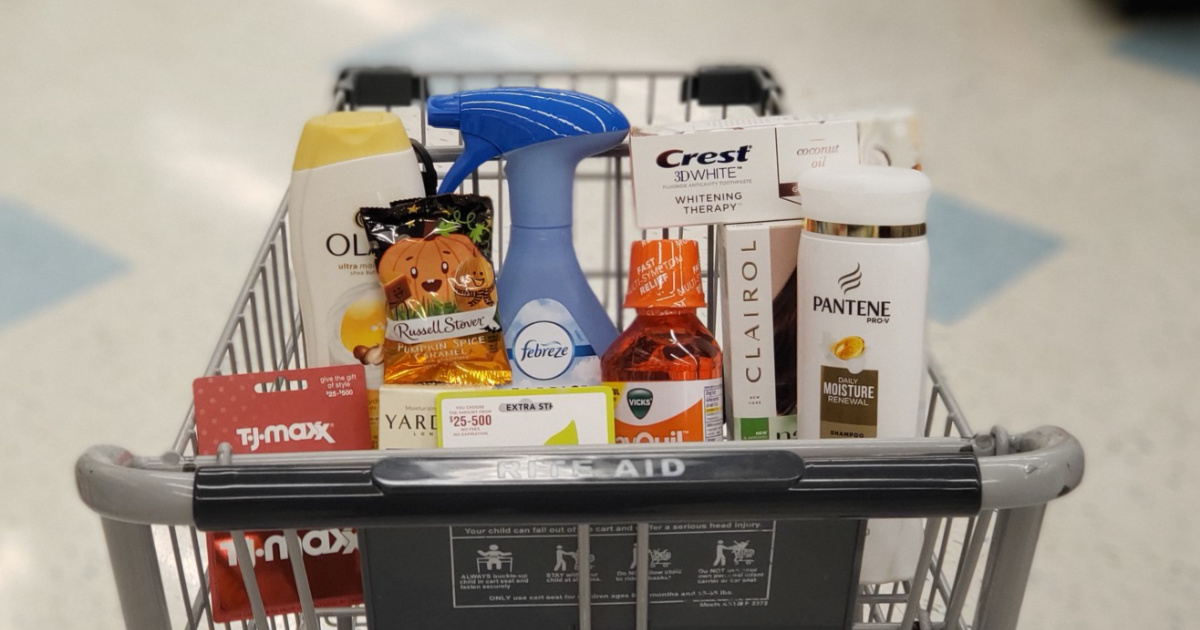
{"points": [[526, 417]]}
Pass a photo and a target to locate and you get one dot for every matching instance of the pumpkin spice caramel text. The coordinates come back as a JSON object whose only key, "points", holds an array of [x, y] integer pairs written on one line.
{"points": [[433, 262]]}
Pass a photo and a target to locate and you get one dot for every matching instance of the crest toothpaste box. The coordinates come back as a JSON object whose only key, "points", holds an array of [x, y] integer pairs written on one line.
{"points": [[732, 171]]}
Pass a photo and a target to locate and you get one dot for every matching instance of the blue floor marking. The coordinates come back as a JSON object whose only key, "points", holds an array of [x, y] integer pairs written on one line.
{"points": [[42, 263], [1172, 45], [975, 254]]}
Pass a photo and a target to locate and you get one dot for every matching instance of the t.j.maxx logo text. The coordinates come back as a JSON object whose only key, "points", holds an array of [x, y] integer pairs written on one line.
{"points": [[675, 158], [276, 433]]}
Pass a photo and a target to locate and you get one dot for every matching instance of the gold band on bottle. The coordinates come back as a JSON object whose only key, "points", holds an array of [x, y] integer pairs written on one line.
{"points": [[864, 231]]}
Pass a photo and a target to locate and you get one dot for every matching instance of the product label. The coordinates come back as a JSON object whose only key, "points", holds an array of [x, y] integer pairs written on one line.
{"points": [[526, 417], [862, 342], [408, 416], [802, 147], [531, 566], [771, 428], [849, 403], [337, 277], [759, 281], [668, 411], [732, 175], [313, 543], [548, 348], [439, 327]]}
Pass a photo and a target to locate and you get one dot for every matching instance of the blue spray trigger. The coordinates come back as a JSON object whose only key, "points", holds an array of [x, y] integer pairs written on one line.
{"points": [[476, 151], [499, 120]]}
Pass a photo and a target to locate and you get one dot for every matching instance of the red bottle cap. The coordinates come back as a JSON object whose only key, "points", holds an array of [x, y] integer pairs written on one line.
{"points": [[664, 274]]}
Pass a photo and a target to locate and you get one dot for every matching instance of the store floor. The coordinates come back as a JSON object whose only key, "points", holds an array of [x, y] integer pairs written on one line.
{"points": [[144, 146]]}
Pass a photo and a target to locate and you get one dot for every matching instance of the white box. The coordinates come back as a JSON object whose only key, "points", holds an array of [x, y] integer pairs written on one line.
{"points": [[408, 414], [758, 302], [888, 138], [731, 171]]}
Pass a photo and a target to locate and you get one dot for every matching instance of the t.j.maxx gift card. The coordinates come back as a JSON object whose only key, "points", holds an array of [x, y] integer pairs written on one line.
{"points": [[317, 409]]}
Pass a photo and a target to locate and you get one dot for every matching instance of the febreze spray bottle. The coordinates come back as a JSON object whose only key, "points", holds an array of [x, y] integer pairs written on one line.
{"points": [[345, 161], [555, 328]]}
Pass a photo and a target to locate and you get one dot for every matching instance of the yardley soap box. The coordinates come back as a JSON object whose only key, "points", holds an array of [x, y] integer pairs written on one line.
{"points": [[732, 171]]}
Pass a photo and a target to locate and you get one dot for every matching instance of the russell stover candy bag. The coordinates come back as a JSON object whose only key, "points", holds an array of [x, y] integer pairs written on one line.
{"points": [[432, 255]]}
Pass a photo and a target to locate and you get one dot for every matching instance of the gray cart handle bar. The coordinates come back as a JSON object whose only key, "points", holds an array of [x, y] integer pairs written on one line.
{"points": [[801, 479]]}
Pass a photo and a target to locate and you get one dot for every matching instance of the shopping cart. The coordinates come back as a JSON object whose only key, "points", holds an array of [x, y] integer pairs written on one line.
{"points": [[982, 496]]}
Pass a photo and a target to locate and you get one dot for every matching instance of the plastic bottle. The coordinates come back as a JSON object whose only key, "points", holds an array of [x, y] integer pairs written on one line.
{"points": [[864, 277], [345, 160], [665, 369], [555, 328]]}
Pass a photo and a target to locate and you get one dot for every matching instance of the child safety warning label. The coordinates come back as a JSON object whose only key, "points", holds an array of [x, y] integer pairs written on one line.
{"points": [[707, 564]]}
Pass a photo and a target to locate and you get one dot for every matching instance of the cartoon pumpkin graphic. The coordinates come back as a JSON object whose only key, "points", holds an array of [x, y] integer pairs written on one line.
{"points": [[426, 263], [474, 284]]}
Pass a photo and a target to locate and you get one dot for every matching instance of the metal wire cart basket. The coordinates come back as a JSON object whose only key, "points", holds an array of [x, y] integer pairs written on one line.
{"points": [[981, 496]]}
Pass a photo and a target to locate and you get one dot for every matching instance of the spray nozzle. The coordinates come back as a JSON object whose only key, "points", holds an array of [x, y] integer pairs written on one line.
{"points": [[497, 121], [444, 111]]}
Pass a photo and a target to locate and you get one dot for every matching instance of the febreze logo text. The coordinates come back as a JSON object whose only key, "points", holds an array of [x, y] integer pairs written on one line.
{"points": [[639, 401], [318, 542], [543, 350], [607, 468], [674, 158], [875, 311], [277, 433]]}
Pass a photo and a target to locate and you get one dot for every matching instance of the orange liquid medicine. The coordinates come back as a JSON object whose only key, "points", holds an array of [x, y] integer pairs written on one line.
{"points": [[665, 369]]}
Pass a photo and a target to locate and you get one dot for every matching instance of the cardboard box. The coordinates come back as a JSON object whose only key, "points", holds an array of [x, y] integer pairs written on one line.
{"points": [[731, 171], [888, 138], [735, 186], [759, 307], [408, 415]]}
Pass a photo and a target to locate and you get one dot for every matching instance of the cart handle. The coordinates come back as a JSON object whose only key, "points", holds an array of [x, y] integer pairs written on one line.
{"points": [[600, 485], [1032, 468], [1044, 464], [122, 487]]}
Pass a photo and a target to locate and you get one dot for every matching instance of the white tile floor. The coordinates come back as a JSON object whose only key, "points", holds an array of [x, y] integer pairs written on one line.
{"points": [[162, 133]]}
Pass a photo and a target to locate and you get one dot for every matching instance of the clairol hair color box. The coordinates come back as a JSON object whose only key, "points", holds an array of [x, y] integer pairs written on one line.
{"points": [[759, 280]]}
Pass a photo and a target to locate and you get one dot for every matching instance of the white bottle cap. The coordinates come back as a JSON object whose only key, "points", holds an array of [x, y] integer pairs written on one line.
{"points": [[864, 196]]}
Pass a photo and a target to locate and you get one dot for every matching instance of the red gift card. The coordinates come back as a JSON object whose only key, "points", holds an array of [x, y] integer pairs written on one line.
{"points": [[317, 409]]}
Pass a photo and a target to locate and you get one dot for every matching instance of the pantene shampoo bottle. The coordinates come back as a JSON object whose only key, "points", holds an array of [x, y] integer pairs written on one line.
{"points": [[345, 161], [863, 285]]}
